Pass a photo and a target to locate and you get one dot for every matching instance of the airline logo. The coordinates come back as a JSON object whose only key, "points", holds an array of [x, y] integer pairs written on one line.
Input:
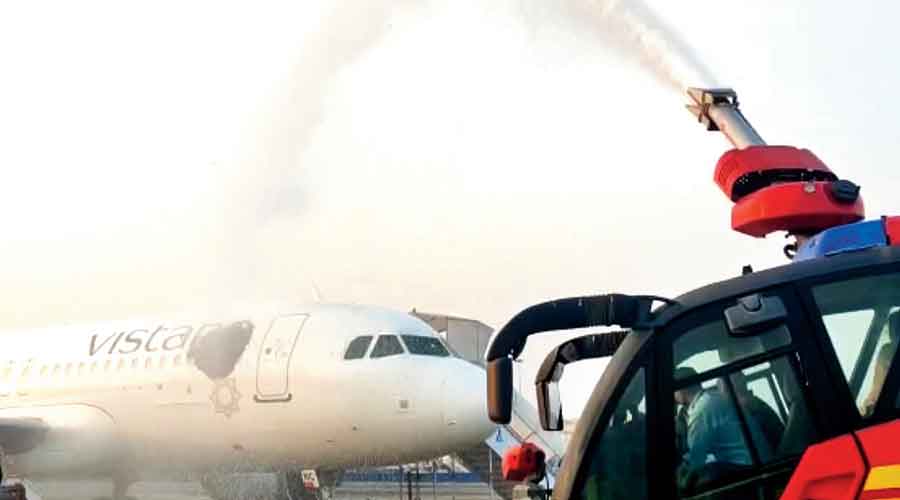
{"points": [[160, 338], [215, 349]]}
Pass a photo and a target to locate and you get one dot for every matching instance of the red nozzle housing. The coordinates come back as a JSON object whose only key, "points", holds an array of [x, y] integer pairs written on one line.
{"points": [[523, 462], [798, 207], [740, 172], [783, 188]]}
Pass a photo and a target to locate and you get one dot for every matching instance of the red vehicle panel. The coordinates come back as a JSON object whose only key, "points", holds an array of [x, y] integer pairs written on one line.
{"points": [[892, 228], [834, 470], [881, 445]]}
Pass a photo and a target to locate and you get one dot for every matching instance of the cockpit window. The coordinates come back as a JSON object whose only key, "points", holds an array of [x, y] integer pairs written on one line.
{"points": [[425, 346], [387, 345], [358, 347]]}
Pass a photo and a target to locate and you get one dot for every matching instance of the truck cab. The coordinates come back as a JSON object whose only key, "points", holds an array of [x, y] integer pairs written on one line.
{"points": [[739, 388], [774, 384]]}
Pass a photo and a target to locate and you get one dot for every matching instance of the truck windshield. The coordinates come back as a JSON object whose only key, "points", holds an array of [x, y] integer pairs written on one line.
{"points": [[862, 317]]}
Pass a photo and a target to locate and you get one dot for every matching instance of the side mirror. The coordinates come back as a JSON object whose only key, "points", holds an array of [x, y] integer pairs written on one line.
{"points": [[600, 345], [500, 390], [563, 314], [754, 314], [550, 405]]}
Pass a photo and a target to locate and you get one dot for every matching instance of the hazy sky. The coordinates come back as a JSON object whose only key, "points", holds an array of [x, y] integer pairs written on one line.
{"points": [[457, 156]]}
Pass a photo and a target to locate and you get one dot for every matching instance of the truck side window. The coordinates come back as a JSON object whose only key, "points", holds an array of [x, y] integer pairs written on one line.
{"points": [[709, 346], [618, 461], [735, 415], [862, 318]]}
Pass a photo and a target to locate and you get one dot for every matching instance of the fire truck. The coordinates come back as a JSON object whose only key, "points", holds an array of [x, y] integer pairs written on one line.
{"points": [[779, 383]]}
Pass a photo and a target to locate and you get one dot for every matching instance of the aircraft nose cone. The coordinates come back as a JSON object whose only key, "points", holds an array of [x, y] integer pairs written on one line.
{"points": [[465, 403]]}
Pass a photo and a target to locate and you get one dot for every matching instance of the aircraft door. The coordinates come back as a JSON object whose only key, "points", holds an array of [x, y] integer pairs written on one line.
{"points": [[275, 353]]}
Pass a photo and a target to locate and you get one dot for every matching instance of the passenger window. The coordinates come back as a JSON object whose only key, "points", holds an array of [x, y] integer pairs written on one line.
{"points": [[387, 345], [358, 347], [862, 320], [731, 421], [617, 462]]}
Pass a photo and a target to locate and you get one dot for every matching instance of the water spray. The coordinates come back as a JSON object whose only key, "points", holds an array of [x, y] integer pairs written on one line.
{"points": [[637, 31]]}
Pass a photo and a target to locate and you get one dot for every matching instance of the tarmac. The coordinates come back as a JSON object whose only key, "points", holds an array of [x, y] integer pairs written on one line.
{"points": [[191, 490]]}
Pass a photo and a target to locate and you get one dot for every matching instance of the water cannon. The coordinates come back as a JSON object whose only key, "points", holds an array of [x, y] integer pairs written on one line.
{"points": [[718, 111], [774, 188]]}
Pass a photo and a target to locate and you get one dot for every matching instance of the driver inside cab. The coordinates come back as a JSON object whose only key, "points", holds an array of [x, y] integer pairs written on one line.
{"points": [[713, 442]]}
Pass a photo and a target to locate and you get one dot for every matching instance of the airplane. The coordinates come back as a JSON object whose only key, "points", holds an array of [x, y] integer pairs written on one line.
{"points": [[303, 391]]}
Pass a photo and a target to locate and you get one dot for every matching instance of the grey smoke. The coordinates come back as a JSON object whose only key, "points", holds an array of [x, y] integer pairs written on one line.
{"points": [[265, 184]]}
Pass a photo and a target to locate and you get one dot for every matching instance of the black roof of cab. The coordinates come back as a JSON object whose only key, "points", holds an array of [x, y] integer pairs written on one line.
{"points": [[792, 272]]}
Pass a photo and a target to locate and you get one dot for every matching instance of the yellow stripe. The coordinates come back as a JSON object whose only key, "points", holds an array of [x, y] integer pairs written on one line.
{"points": [[883, 477]]}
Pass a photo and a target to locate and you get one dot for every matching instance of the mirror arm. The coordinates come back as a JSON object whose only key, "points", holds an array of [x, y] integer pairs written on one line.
{"points": [[593, 346]]}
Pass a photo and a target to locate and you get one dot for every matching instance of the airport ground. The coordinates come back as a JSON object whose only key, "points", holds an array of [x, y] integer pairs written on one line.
{"points": [[191, 490]]}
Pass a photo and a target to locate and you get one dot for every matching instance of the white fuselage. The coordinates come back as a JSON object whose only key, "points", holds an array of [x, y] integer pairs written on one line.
{"points": [[133, 395]]}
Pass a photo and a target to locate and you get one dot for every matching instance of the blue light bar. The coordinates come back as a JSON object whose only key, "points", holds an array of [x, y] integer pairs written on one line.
{"points": [[843, 239]]}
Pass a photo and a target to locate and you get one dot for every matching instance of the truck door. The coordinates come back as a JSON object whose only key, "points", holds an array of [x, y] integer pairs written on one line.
{"points": [[744, 400], [275, 353], [615, 462]]}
